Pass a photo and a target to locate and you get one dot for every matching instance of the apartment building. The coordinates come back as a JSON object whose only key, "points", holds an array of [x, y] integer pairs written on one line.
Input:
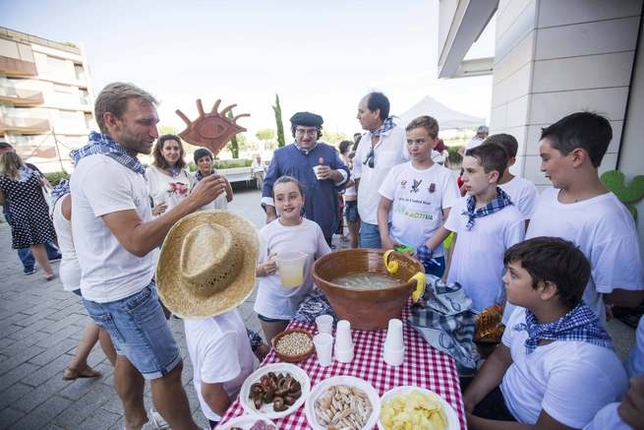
{"points": [[46, 101]]}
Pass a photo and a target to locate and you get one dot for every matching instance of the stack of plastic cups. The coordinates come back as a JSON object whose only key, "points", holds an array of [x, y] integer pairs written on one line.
{"points": [[343, 342], [324, 323], [394, 349], [324, 348]]}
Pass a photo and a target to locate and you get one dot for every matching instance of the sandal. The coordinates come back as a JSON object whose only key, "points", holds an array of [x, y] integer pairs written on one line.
{"points": [[71, 373], [49, 277]]}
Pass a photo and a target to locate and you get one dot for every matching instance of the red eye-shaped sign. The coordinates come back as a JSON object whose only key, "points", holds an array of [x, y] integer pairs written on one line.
{"points": [[211, 130]]}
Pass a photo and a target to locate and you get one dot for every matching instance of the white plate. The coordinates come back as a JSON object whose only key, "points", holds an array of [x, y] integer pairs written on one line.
{"points": [[245, 422], [351, 381], [450, 413], [267, 409]]}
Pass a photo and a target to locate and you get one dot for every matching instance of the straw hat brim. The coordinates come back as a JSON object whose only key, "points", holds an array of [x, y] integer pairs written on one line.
{"points": [[180, 300]]}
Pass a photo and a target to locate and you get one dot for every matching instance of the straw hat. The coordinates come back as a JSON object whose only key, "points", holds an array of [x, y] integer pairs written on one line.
{"points": [[207, 264]]}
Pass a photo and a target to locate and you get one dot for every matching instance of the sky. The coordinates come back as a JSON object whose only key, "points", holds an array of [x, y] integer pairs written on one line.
{"points": [[318, 56]]}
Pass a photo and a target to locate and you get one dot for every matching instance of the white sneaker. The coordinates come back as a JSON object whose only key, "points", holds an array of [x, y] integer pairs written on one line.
{"points": [[155, 421]]}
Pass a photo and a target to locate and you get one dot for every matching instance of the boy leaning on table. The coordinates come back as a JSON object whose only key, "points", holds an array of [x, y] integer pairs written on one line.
{"points": [[206, 269], [556, 366]]}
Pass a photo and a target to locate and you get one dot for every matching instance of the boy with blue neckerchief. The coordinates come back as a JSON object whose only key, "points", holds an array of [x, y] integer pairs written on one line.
{"points": [[486, 223], [556, 366]]}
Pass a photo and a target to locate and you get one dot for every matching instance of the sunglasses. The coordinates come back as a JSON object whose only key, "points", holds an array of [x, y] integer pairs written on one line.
{"points": [[371, 159]]}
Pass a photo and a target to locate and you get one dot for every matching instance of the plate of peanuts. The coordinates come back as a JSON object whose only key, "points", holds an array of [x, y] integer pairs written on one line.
{"points": [[343, 402], [275, 390]]}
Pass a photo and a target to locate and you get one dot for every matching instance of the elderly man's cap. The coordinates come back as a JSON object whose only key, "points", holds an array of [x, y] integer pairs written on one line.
{"points": [[307, 119]]}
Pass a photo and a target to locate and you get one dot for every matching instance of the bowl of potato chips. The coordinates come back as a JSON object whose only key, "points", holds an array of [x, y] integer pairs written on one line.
{"points": [[409, 407]]}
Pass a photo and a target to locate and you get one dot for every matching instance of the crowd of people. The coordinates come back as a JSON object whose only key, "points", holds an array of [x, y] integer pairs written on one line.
{"points": [[143, 246]]}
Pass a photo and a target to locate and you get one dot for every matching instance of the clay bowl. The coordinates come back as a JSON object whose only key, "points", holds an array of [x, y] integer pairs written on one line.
{"points": [[369, 308], [292, 358]]}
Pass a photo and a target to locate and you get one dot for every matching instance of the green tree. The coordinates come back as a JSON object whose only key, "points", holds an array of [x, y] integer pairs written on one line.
{"points": [[267, 137], [234, 144], [277, 109], [333, 138]]}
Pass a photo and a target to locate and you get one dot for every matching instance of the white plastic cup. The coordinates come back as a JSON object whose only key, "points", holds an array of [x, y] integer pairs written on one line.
{"points": [[291, 268], [343, 355], [316, 170], [324, 323], [392, 356], [343, 339], [324, 348], [394, 340]]}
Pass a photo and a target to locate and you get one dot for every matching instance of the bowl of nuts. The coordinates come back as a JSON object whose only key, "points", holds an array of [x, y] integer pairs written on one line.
{"points": [[293, 346]]}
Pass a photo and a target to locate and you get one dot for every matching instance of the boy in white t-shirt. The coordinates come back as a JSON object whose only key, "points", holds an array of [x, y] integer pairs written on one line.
{"points": [[217, 251], [556, 366], [485, 223], [580, 208], [522, 191], [417, 197]]}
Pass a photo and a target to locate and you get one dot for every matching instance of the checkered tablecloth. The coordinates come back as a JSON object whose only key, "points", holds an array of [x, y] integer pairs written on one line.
{"points": [[423, 367]]}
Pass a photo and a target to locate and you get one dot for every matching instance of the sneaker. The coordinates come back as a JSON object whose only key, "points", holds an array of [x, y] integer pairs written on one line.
{"points": [[56, 259], [30, 271], [156, 421]]}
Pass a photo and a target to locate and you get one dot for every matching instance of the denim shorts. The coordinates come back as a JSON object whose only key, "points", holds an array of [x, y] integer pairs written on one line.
{"points": [[139, 331], [351, 211]]}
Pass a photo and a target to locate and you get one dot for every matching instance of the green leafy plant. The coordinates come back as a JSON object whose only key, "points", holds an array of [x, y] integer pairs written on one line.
{"points": [[630, 193], [454, 158], [234, 145], [55, 177]]}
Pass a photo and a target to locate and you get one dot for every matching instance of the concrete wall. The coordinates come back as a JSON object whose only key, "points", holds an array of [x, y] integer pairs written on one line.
{"points": [[631, 157], [556, 57]]}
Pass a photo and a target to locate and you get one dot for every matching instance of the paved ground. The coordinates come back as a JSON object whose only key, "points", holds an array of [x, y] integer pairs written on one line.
{"points": [[40, 325]]}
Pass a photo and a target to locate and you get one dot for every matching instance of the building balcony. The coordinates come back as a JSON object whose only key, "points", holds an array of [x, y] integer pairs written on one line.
{"points": [[14, 67], [24, 125], [19, 97]]}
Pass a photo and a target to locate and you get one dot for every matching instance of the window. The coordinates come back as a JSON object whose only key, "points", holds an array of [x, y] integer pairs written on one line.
{"points": [[80, 72]]}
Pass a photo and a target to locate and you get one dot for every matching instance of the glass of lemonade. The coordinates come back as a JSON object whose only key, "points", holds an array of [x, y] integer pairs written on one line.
{"points": [[291, 268]]}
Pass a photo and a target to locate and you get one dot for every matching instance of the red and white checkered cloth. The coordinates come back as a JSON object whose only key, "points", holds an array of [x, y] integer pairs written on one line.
{"points": [[424, 367]]}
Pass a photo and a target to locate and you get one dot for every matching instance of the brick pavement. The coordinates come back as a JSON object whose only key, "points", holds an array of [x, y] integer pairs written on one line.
{"points": [[40, 325]]}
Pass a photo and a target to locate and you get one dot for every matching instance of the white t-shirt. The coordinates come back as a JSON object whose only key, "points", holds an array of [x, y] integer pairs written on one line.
{"points": [[418, 199], [100, 186], [523, 194], [570, 380], [167, 189], [608, 419], [70, 272], [221, 202], [604, 230], [220, 353], [390, 151], [257, 166], [635, 362], [477, 259], [274, 300]]}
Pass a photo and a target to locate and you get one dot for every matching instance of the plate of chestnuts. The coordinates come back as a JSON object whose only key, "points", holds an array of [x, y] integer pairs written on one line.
{"points": [[275, 390]]}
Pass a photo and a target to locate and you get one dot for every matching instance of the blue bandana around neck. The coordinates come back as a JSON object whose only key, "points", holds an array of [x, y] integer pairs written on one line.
{"points": [[103, 144], [580, 324], [199, 176], [502, 200], [61, 189], [387, 125]]}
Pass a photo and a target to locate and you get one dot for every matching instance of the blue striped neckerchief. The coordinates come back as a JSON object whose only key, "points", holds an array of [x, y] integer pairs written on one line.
{"points": [[580, 324], [199, 176], [103, 144], [386, 125], [499, 202], [59, 191]]}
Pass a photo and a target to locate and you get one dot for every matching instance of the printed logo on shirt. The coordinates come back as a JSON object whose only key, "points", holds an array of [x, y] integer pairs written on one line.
{"points": [[416, 186], [432, 187], [403, 184]]}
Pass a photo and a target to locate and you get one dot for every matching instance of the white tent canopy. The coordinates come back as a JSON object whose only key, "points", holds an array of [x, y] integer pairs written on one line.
{"points": [[447, 118]]}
